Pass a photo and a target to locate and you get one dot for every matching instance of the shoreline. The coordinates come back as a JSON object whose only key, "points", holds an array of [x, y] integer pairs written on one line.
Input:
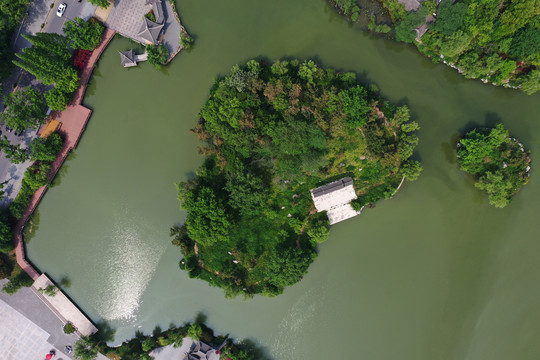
{"points": [[77, 117]]}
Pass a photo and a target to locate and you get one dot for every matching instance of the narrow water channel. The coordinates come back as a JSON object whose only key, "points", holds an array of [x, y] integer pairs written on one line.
{"points": [[435, 273]]}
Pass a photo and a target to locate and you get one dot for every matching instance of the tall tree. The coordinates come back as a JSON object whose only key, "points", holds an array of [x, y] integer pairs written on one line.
{"points": [[84, 34], [24, 109], [54, 43]]}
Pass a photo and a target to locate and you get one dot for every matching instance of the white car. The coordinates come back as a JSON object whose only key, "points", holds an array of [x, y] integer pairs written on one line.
{"points": [[61, 9]]}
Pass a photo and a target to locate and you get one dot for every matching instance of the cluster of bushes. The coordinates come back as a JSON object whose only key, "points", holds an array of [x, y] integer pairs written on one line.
{"points": [[49, 59], [141, 345], [273, 133], [348, 8], [17, 280], [42, 152], [185, 40], [499, 164], [101, 3], [157, 55], [69, 328], [81, 58]]}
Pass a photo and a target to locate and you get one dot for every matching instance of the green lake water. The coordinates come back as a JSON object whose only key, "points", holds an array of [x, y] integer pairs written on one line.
{"points": [[435, 273]]}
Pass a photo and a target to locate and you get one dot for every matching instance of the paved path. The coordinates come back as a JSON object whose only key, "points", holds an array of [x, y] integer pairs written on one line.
{"points": [[63, 307], [26, 307], [171, 32]]}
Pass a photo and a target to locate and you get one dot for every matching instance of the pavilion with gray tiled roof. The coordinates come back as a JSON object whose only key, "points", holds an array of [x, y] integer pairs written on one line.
{"points": [[127, 58], [150, 31]]}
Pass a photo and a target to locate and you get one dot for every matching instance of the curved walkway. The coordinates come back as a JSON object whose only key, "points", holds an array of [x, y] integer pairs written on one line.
{"points": [[73, 122]]}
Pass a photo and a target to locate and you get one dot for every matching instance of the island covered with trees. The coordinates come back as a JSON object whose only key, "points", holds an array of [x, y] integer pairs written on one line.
{"points": [[499, 163], [272, 133], [495, 41], [141, 346]]}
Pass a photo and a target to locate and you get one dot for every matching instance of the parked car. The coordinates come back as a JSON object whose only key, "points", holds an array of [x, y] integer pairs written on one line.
{"points": [[61, 9]]}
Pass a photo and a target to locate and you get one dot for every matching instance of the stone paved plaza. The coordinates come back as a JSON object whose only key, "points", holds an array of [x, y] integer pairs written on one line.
{"points": [[27, 309], [126, 17], [21, 339]]}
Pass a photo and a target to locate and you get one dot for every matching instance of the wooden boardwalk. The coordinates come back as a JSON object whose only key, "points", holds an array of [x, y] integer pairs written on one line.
{"points": [[73, 121]]}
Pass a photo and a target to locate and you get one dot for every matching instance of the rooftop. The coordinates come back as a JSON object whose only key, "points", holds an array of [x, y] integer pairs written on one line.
{"points": [[127, 58], [335, 198], [150, 31]]}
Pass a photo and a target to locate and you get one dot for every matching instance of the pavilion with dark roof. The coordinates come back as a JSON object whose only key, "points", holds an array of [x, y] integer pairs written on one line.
{"points": [[203, 351], [157, 7], [127, 58], [150, 31]]}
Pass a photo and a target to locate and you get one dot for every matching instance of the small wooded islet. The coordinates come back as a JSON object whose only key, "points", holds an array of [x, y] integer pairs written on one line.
{"points": [[271, 133]]}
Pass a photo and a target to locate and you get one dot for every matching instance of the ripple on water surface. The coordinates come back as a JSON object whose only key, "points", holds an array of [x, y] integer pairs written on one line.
{"points": [[131, 261]]}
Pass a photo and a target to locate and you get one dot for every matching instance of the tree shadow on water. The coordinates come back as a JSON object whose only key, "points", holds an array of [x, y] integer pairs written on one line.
{"points": [[63, 170], [256, 349], [106, 332]]}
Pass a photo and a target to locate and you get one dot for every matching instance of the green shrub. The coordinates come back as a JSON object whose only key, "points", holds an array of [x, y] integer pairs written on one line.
{"points": [[101, 3], [49, 290], [18, 279], [6, 233], [150, 16], [185, 40], [5, 269], [498, 163], [84, 35], [57, 99], [69, 328], [157, 55]]}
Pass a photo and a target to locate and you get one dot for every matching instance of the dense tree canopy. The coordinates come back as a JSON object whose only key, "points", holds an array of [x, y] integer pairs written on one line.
{"points": [[271, 134], [101, 3], [157, 55], [499, 164], [486, 39], [49, 61], [6, 234], [11, 14], [24, 109], [498, 42], [84, 35]]}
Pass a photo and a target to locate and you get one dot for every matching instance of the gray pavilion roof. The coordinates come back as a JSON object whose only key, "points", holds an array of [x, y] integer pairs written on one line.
{"points": [[203, 351], [150, 31], [157, 6], [127, 58]]}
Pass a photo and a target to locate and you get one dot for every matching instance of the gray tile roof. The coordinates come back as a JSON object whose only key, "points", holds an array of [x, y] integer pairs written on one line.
{"points": [[157, 6], [150, 31], [127, 58]]}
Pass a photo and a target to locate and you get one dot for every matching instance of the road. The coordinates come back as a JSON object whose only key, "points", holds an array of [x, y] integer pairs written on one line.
{"points": [[74, 9], [12, 174]]}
